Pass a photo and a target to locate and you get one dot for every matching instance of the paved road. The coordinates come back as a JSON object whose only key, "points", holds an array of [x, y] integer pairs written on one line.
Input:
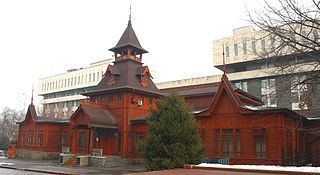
{"points": [[6, 171]]}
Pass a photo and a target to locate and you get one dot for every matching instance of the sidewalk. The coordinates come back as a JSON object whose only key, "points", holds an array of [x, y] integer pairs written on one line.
{"points": [[52, 167]]}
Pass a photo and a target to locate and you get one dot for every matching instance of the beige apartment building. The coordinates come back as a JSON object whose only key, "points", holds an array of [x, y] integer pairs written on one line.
{"points": [[254, 57], [61, 93]]}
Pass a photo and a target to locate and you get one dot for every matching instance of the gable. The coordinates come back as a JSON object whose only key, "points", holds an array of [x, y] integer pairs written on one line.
{"points": [[224, 101], [225, 105], [79, 118]]}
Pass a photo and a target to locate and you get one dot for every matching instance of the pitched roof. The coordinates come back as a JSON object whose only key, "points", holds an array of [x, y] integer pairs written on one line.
{"points": [[98, 115], [126, 78], [128, 38], [32, 114]]}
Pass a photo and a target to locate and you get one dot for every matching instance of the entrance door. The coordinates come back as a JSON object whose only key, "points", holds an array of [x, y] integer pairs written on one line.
{"points": [[83, 137]]}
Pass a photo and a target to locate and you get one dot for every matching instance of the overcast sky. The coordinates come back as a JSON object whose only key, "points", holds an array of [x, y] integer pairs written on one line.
{"points": [[40, 38]]}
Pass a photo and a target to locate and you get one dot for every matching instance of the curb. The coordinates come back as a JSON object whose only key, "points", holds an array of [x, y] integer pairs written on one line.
{"points": [[37, 170], [188, 166]]}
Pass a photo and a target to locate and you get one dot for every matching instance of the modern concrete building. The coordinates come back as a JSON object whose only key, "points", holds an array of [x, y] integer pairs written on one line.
{"points": [[253, 56], [61, 93]]}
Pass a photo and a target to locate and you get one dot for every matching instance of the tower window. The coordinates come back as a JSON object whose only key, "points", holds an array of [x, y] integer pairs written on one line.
{"points": [[120, 97], [110, 98]]}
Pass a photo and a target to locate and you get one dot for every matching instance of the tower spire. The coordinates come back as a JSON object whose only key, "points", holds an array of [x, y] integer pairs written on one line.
{"points": [[130, 11], [224, 61], [32, 95]]}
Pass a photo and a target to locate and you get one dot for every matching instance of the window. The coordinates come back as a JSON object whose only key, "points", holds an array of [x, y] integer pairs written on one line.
{"points": [[75, 103], [315, 35], [238, 85], [238, 143], [268, 92], [30, 138], [89, 78], [119, 97], [98, 78], [263, 45], [243, 85], [273, 44], [303, 37], [244, 45], [260, 141], [64, 139], [227, 141], [110, 98], [293, 37], [227, 51], [78, 79], [110, 77], [22, 138], [144, 78], [298, 93], [150, 101], [103, 99], [217, 144], [93, 76], [254, 47], [235, 49]]}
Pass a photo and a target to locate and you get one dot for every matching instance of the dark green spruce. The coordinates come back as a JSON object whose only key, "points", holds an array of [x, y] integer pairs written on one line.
{"points": [[173, 138]]}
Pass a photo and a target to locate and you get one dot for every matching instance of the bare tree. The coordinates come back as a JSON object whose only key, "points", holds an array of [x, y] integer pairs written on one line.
{"points": [[9, 127], [293, 29]]}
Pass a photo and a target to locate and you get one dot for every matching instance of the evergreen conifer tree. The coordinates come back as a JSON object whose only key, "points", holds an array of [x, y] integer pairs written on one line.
{"points": [[173, 138]]}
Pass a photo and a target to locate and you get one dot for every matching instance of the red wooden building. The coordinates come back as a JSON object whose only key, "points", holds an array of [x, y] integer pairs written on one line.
{"points": [[40, 137], [233, 124], [238, 127]]}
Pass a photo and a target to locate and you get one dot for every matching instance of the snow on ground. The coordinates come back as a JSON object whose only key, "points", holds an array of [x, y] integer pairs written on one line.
{"points": [[5, 163], [265, 167], [2, 161]]}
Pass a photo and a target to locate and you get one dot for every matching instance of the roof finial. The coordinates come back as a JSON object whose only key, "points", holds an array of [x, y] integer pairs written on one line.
{"points": [[224, 61], [130, 11], [32, 94]]}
